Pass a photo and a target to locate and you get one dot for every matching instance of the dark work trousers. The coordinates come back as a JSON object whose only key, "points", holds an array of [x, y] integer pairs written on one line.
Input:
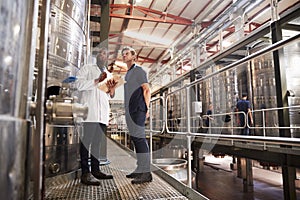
{"points": [[136, 126], [244, 131], [91, 140]]}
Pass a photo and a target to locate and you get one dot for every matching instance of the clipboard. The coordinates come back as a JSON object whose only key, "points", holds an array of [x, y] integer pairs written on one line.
{"points": [[117, 78]]}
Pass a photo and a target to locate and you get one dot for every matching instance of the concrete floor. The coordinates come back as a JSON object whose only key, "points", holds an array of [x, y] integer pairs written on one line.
{"points": [[218, 181]]}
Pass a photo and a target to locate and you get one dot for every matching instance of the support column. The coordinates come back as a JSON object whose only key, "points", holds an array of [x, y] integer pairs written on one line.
{"points": [[104, 31], [288, 173], [200, 166], [248, 181], [104, 23], [246, 174], [288, 177], [233, 165]]}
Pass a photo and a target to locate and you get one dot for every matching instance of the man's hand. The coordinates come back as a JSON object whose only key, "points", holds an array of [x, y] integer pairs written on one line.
{"points": [[111, 84], [102, 76]]}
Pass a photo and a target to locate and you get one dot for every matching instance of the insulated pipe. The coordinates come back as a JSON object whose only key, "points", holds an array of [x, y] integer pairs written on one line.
{"points": [[213, 33], [211, 30], [209, 8], [263, 51]]}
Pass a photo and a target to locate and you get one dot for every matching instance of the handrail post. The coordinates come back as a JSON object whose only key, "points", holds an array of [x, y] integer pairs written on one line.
{"points": [[264, 126], [189, 170], [188, 136], [151, 129]]}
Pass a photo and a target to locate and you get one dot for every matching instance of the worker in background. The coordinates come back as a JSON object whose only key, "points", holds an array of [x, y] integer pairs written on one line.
{"points": [[243, 106], [208, 115]]}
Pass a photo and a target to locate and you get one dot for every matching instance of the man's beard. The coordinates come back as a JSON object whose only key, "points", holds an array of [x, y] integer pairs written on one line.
{"points": [[101, 63], [102, 68]]}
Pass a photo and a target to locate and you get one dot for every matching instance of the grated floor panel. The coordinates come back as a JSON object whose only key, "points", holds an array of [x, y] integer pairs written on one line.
{"points": [[120, 187]]}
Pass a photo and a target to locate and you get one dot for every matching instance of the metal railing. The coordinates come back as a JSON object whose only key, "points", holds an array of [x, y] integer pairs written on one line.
{"points": [[233, 138], [187, 129]]}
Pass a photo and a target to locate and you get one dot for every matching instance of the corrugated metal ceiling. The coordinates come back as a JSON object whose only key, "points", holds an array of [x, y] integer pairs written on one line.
{"points": [[157, 27]]}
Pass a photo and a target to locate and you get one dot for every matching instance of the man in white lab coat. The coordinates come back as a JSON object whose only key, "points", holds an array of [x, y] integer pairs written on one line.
{"points": [[89, 78]]}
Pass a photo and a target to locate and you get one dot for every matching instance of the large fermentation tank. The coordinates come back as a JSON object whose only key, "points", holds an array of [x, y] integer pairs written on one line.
{"points": [[176, 119], [264, 88], [66, 46], [220, 91], [16, 29], [291, 61], [264, 91]]}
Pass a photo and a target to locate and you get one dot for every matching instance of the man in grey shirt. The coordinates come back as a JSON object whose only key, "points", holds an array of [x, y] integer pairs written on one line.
{"points": [[137, 101]]}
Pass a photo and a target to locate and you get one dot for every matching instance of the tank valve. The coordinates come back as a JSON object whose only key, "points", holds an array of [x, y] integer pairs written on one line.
{"points": [[290, 93], [54, 168], [64, 110]]}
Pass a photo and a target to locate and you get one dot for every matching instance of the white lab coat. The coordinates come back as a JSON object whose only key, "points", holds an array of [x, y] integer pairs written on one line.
{"points": [[96, 99]]}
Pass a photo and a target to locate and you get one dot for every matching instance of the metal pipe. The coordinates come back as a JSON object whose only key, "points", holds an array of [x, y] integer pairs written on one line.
{"points": [[194, 42], [258, 139], [264, 124], [189, 143], [189, 166], [212, 29], [38, 188], [261, 52]]}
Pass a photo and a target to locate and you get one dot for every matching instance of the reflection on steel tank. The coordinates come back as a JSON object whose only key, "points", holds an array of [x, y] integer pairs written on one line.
{"points": [[66, 54], [264, 90], [220, 91], [67, 39], [291, 60], [16, 25]]}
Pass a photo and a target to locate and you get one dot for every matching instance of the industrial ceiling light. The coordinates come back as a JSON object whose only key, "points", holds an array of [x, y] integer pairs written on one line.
{"points": [[147, 38]]}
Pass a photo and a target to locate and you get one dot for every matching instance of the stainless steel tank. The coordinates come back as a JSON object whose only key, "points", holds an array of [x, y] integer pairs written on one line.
{"points": [[264, 90], [219, 91], [291, 60], [17, 26], [66, 54]]}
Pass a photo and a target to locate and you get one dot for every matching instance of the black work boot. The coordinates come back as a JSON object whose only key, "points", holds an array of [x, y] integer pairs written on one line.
{"points": [[142, 178], [88, 179], [101, 175], [133, 175]]}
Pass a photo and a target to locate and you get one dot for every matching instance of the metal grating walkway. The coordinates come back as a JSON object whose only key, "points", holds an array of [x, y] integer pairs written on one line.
{"points": [[63, 187]]}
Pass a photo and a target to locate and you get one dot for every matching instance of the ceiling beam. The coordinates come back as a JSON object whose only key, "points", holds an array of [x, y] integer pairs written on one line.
{"points": [[147, 60], [139, 45], [291, 27], [152, 15], [111, 34], [139, 60]]}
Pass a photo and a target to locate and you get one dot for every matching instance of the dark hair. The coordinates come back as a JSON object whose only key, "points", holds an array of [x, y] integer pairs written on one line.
{"points": [[98, 50], [244, 95], [132, 51]]}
